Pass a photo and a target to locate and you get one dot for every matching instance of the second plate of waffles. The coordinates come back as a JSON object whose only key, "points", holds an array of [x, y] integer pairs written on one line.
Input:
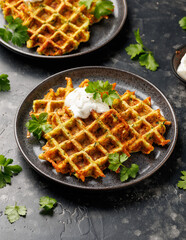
{"points": [[141, 123], [62, 29]]}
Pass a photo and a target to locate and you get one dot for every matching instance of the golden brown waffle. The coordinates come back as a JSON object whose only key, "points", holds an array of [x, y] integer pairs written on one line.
{"points": [[52, 101], [147, 126], [81, 146], [55, 27]]}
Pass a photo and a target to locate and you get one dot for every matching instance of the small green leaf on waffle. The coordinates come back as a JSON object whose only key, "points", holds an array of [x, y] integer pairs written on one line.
{"points": [[102, 89], [38, 126], [103, 8]]}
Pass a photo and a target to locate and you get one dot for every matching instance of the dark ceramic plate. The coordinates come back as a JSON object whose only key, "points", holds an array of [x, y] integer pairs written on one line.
{"points": [[148, 164], [100, 34], [175, 61]]}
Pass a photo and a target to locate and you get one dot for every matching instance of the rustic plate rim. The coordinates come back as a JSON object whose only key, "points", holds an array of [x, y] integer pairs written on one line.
{"points": [[70, 55]]}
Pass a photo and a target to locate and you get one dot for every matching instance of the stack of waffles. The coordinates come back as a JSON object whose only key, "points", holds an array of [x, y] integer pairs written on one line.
{"points": [[82, 146], [55, 27]]}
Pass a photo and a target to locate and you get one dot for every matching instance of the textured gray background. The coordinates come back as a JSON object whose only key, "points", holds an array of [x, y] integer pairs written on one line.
{"points": [[155, 209]]}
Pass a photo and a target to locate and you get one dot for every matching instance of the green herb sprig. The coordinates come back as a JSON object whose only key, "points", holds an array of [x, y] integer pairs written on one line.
{"points": [[14, 212], [141, 53], [38, 126], [182, 23], [103, 90], [182, 182], [18, 34], [7, 170], [102, 8], [4, 82], [47, 203], [116, 161]]}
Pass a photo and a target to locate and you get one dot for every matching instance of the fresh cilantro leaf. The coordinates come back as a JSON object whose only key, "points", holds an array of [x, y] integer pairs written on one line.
{"points": [[148, 60], [141, 53], [87, 3], [5, 34], [103, 90], [6, 171], [14, 212], [134, 49], [39, 126], [109, 98], [103, 8], [19, 34], [138, 38], [116, 161], [125, 172], [182, 23], [182, 184], [47, 203], [4, 82]]}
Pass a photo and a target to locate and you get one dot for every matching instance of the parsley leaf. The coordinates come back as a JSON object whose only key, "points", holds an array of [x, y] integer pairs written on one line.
{"points": [[103, 90], [38, 126], [147, 60], [140, 52], [18, 35], [182, 23], [14, 212], [4, 82], [182, 183], [87, 3], [47, 203], [6, 171], [134, 49], [116, 161], [125, 172], [103, 8]]}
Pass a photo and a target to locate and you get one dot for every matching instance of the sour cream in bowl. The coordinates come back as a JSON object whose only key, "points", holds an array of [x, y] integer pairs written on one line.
{"points": [[178, 63]]}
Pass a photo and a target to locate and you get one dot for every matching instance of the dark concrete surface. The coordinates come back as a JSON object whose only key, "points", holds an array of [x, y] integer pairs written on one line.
{"points": [[154, 209]]}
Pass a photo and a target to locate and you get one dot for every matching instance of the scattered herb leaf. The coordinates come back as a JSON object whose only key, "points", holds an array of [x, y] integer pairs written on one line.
{"points": [[140, 52], [182, 23], [14, 212], [182, 183], [18, 34], [102, 89], [4, 82], [47, 203], [38, 126], [116, 161], [102, 8], [6, 171]]}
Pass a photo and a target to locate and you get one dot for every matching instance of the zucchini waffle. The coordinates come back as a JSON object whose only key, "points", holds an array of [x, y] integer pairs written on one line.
{"points": [[81, 146], [55, 27]]}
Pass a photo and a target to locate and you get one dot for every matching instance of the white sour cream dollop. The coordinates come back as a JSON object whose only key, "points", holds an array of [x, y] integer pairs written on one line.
{"points": [[82, 103], [182, 67]]}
